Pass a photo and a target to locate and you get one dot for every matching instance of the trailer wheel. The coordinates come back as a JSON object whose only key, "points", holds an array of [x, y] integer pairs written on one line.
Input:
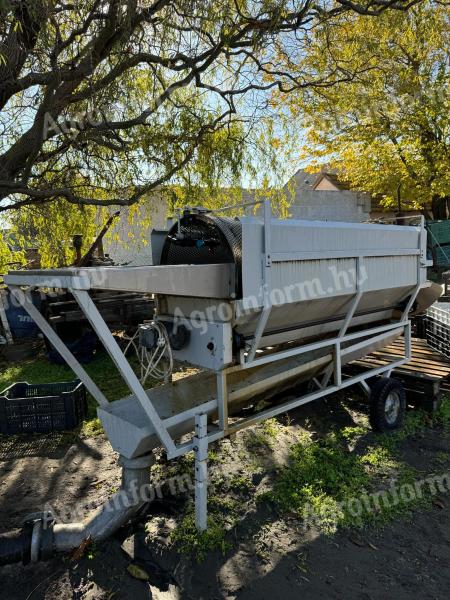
{"points": [[387, 405]]}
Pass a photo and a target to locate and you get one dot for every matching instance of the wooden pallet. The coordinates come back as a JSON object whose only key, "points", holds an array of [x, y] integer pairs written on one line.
{"points": [[425, 376]]}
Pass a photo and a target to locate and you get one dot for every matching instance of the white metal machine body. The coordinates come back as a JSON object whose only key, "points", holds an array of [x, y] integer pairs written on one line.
{"points": [[296, 300]]}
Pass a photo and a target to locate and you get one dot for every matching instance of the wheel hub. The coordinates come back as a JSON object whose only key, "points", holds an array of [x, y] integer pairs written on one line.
{"points": [[392, 407]]}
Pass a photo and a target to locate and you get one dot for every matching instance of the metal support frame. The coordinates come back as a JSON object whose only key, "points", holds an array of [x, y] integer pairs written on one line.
{"points": [[123, 366], [101, 329], [202, 438], [200, 447], [349, 316], [222, 399], [266, 265]]}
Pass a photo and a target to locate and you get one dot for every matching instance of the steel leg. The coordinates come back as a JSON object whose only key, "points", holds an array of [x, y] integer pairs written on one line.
{"points": [[267, 262], [365, 386], [201, 472], [222, 399], [349, 316]]}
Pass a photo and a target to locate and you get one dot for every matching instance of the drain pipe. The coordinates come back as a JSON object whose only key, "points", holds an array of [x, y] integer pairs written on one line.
{"points": [[41, 538]]}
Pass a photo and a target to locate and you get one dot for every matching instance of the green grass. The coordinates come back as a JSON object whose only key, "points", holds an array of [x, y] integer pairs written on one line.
{"points": [[241, 483], [324, 478], [442, 415], [189, 540], [40, 370], [320, 475], [263, 435]]}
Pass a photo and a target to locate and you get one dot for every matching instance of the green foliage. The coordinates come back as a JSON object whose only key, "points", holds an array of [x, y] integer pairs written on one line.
{"points": [[91, 428], [51, 227], [158, 103], [263, 435], [241, 483], [378, 458], [8, 253], [324, 480], [415, 421], [442, 415], [385, 127], [189, 540], [319, 476]]}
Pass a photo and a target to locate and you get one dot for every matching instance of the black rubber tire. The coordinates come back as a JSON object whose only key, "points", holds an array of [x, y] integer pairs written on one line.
{"points": [[379, 394]]}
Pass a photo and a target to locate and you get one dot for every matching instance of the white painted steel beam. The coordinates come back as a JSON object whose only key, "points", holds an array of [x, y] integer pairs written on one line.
{"points": [[287, 406], [222, 399], [106, 337], [205, 281], [200, 446], [334, 254]]}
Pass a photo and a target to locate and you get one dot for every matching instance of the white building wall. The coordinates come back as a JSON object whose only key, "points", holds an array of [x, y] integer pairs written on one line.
{"points": [[128, 241], [330, 205]]}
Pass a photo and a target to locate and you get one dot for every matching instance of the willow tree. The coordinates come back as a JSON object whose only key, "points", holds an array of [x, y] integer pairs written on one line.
{"points": [[104, 101], [388, 129]]}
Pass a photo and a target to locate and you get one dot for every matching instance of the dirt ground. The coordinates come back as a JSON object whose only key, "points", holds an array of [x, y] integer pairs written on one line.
{"points": [[270, 556]]}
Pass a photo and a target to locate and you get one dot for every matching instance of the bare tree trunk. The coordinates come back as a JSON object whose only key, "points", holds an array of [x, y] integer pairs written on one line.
{"points": [[439, 208]]}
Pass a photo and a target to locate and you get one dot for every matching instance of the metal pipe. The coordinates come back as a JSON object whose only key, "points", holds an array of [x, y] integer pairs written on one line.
{"points": [[113, 514], [41, 540], [15, 546]]}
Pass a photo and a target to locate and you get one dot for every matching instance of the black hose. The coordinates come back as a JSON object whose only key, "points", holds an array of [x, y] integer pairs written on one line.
{"points": [[15, 546]]}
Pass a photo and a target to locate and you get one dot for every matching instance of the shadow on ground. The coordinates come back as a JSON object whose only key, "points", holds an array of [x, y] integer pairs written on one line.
{"points": [[271, 557]]}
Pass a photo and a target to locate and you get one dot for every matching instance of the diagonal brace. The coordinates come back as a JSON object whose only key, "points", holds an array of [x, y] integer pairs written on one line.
{"points": [[112, 347]]}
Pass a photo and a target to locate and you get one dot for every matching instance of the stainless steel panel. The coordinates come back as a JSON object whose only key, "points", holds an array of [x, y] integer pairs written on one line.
{"points": [[207, 281], [316, 259]]}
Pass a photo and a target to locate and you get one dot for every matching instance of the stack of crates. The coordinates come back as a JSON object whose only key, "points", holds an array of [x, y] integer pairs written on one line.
{"points": [[437, 330], [439, 242]]}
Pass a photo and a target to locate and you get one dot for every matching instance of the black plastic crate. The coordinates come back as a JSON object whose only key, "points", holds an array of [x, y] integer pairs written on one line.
{"points": [[41, 408]]}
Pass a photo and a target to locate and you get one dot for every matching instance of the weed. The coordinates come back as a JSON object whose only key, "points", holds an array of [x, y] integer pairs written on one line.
{"points": [[352, 434], [323, 479], [320, 474], [241, 483], [214, 457], [91, 428], [188, 539], [379, 460], [271, 428], [302, 562], [92, 551], [442, 415], [264, 435], [415, 421], [226, 506], [441, 458]]}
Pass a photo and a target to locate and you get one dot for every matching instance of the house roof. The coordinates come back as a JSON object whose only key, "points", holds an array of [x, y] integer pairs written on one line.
{"points": [[303, 180], [333, 178]]}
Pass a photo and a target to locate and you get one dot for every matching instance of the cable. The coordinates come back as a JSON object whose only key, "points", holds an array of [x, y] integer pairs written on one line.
{"points": [[151, 356]]}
